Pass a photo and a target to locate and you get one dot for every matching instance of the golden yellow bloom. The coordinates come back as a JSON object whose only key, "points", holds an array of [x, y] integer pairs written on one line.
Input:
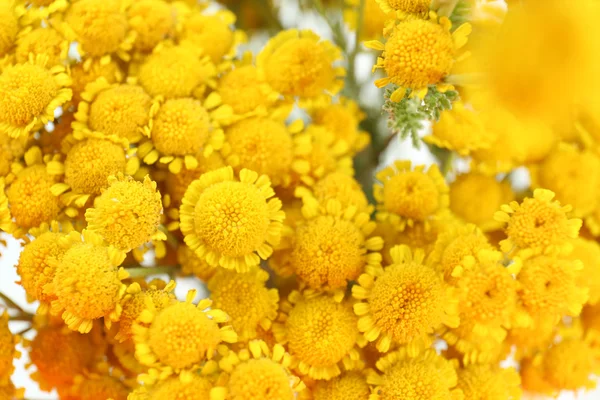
{"points": [[7, 350], [176, 71], [419, 53], [475, 197], [537, 225], [100, 27], [11, 149], [87, 281], [425, 377], [348, 386], [460, 129], [196, 387], [9, 391], [127, 214], [320, 333], [258, 372], [267, 146], [373, 26], [300, 64], [588, 252], [212, 34], [230, 222], [181, 336], [486, 382], [120, 111], [414, 7], [246, 299], [9, 28], [152, 21], [550, 286], [29, 94], [245, 91], [405, 196], [184, 131], [99, 387], [46, 41], [59, 355], [83, 74], [404, 302], [533, 338], [334, 246], [340, 187], [194, 265]]}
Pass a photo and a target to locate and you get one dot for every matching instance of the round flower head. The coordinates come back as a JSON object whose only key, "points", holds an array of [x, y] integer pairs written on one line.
{"points": [[34, 266], [574, 176], [82, 74], [195, 387], [153, 21], [59, 355], [86, 169], [191, 264], [588, 251], [127, 214], [257, 372], [267, 146], [180, 337], [342, 119], [533, 337], [460, 129], [320, 333], [427, 376], [550, 286], [116, 111], [410, 7], [47, 41], [300, 64], [372, 27], [96, 386], [537, 225], [11, 150], [475, 198], [245, 91], [184, 130], [340, 187], [482, 382], [29, 94], [33, 12], [8, 351], [9, 28], [348, 386], [405, 196], [176, 71], [334, 245], [246, 299], [136, 300], [212, 34], [230, 222], [87, 281], [99, 27], [404, 302], [419, 53], [456, 249]]}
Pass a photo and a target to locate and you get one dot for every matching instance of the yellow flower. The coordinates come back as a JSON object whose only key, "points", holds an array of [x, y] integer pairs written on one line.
{"points": [[11, 150], [320, 333], [411, 7], [419, 53], [29, 94], [468, 345], [406, 196], [333, 246], [348, 386], [230, 222], [196, 387], [59, 355], [183, 131], [94, 386], [403, 303], [33, 12], [8, 351], [246, 299], [456, 249], [9, 391], [87, 281], [191, 264], [115, 111], [127, 214], [82, 74], [258, 372], [180, 337], [588, 252], [246, 92], [340, 187], [537, 225], [475, 197], [534, 337], [481, 382], [176, 71], [300, 64], [152, 21], [99, 27], [550, 286], [373, 26], [267, 146], [9, 28], [461, 130], [212, 34], [427, 376], [47, 41]]}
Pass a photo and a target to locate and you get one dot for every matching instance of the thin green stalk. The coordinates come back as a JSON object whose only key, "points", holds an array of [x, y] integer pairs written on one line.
{"points": [[10, 304]]}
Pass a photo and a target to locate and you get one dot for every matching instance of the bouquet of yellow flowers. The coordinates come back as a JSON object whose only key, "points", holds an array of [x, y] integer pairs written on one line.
{"points": [[151, 146]]}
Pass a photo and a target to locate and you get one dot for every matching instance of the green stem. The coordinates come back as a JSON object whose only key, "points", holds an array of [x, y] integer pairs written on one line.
{"points": [[446, 7], [11, 304], [336, 30], [140, 272], [22, 317]]}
